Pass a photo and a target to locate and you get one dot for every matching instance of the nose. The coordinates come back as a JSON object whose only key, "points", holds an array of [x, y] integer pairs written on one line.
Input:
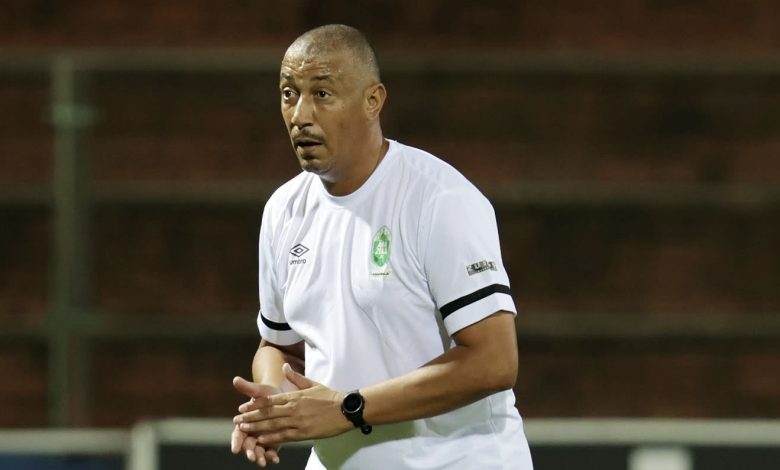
{"points": [[303, 113]]}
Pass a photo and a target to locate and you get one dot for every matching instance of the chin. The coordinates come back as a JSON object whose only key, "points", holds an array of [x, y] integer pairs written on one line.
{"points": [[311, 165]]}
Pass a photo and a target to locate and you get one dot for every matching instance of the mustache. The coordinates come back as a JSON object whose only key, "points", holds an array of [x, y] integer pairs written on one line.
{"points": [[305, 134]]}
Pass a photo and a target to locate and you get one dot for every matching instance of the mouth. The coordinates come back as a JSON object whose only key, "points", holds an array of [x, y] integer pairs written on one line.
{"points": [[305, 143]]}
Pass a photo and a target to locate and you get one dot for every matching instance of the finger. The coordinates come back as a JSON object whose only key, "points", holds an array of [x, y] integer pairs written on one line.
{"points": [[244, 386], [252, 416], [278, 438], [262, 414], [255, 404], [267, 426], [278, 400], [249, 443], [248, 406], [299, 380], [251, 455], [265, 455], [259, 453], [252, 389], [272, 455], [237, 438], [261, 461], [250, 446]]}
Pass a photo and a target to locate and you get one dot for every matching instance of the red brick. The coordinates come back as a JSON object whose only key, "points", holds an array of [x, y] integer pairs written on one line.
{"points": [[640, 129], [24, 261], [177, 260], [26, 138], [189, 127], [642, 260], [156, 379], [23, 393], [661, 380], [610, 26]]}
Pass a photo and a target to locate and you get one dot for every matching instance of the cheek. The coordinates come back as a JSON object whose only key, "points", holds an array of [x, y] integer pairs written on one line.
{"points": [[350, 119], [337, 125], [341, 117]]}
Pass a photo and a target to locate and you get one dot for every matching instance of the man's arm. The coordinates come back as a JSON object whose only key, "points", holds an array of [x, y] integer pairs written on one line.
{"points": [[484, 361], [267, 374], [268, 379], [268, 361]]}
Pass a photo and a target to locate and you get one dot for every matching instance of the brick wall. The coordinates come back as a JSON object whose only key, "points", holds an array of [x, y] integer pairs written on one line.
{"points": [[496, 129], [608, 128], [23, 393], [177, 260], [643, 261], [154, 379], [556, 129], [616, 26], [185, 126], [667, 378], [24, 262], [25, 136]]}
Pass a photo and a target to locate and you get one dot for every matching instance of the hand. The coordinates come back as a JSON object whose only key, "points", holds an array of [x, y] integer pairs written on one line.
{"points": [[312, 412], [240, 440]]}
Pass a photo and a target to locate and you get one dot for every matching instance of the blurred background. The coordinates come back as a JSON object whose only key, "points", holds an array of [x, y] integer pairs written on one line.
{"points": [[631, 149]]}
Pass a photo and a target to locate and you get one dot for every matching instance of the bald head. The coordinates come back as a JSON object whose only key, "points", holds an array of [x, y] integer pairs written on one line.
{"points": [[337, 39]]}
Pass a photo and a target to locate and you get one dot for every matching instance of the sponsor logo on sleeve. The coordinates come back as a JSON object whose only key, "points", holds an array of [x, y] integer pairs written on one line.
{"points": [[481, 267]]}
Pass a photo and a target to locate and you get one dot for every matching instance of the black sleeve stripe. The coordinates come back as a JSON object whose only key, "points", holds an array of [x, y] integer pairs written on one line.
{"points": [[274, 325], [469, 299]]}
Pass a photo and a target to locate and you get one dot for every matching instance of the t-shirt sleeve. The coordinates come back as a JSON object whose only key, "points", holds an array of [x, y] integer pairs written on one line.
{"points": [[271, 321], [462, 259]]}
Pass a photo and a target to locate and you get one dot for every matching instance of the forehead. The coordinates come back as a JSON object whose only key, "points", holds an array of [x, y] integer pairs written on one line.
{"points": [[305, 65]]}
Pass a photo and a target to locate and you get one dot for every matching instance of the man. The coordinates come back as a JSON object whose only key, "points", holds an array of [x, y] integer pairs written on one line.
{"points": [[388, 329]]}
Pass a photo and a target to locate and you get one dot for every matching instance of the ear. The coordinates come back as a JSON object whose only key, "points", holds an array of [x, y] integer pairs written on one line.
{"points": [[375, 99]]}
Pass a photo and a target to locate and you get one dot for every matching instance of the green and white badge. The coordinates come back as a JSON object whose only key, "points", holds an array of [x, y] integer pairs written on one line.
{"points": [[380, 251]]}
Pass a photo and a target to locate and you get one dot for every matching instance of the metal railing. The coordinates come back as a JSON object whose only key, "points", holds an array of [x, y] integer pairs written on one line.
{"points": [[658, 444]]}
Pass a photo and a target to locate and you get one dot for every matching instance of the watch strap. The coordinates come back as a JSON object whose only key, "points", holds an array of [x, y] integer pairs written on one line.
{"points": [[355, 415]]}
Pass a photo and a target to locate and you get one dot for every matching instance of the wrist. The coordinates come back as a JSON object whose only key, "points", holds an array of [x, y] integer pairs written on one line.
{"points": [[338, 400], [352, 407]]}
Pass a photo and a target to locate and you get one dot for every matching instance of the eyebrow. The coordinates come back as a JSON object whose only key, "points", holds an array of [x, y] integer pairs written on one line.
{"points": [[323, 78], [288, 77]]}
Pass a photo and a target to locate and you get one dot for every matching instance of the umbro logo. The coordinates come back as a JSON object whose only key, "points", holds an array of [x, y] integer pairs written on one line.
{"points": [[298, 251]]}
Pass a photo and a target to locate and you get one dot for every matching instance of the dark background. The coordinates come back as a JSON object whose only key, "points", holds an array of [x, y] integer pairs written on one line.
{"points": [[630, 149]]}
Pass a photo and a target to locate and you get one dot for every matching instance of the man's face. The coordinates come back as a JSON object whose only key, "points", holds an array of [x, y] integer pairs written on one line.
{"points": [[321, 101]]}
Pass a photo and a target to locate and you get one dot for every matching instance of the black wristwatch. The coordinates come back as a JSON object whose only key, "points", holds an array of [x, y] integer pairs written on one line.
{"points": [[352, 408]]}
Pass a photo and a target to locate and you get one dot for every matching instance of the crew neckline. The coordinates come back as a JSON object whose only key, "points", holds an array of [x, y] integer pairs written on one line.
{"points": [[366, 188]]}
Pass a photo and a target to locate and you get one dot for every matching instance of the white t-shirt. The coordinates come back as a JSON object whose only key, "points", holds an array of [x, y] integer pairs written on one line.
{"points": [[376, 283]]}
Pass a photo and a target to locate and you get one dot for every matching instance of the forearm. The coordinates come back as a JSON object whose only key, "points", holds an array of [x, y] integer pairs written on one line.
{"points": [[483, 362], [463, 375], [268, 361]]}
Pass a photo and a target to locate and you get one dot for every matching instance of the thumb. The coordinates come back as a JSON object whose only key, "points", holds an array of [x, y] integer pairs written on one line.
{"points": [[299, 380], [246, 387], [251, 389]]}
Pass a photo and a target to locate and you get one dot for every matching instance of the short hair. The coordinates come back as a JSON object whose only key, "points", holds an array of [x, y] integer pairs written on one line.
{"points": [[338, 37]]}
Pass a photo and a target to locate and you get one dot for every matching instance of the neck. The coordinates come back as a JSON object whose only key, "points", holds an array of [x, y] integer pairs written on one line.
{"points": [[359, 169]]}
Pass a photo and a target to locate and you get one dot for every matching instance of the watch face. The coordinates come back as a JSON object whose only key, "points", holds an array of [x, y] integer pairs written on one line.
{"points": [[352, 403]]}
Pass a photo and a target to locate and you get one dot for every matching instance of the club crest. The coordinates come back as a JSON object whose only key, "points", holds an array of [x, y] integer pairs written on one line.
{"points": [[380, 247]]}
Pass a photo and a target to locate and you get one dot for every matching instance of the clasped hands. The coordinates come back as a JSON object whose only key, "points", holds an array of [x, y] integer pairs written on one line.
{"points": [[302, 409]]}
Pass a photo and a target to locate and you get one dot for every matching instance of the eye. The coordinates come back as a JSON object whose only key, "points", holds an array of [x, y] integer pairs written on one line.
{"points": [[287, 93], [322, 94]]}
